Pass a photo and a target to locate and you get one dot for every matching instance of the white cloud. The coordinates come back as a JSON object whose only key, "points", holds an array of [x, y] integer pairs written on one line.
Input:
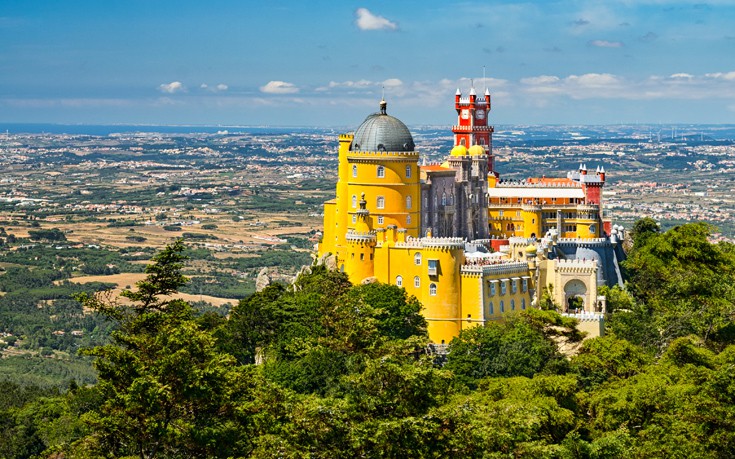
{"points": [[365, 20], [279, 87], [542, 79], [606, 44], [392, 83], [351, 84], [171, 88], [682, 86], [218, 88], [362, 84], [722, 76], [593, 80]]}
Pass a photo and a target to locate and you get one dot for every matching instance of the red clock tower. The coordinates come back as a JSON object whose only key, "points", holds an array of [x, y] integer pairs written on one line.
{"points": [[472, 128]]}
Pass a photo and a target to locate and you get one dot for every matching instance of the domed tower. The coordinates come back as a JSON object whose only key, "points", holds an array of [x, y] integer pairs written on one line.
{"points": [[382, 163]]}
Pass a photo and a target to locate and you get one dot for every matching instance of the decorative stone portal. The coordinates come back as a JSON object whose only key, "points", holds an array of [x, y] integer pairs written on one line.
{"points": [[575, 293]]}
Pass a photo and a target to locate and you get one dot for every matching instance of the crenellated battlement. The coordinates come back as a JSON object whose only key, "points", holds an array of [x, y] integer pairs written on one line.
{"points": [[592, 242], [355, 236], [433, 242], [382, 154], [577, 266], [495, 268]]}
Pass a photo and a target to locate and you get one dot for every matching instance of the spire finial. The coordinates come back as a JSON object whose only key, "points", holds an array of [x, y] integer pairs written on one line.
{"points": [[383, 103]]}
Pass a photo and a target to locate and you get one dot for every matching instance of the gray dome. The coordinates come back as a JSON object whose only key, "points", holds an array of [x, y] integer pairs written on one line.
{"points": [[382, 132]]}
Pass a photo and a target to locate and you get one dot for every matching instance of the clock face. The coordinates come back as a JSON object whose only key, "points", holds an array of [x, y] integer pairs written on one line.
{"points": [[465, 114], [481, 114]]}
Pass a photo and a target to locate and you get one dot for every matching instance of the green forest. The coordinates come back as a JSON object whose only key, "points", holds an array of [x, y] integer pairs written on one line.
{"points": [[324, 369]]}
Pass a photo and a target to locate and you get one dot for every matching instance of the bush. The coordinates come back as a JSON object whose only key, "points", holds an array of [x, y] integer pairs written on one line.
{"points": [[54, 234]]}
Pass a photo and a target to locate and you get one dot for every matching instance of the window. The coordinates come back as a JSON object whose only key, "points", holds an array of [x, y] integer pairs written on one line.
{"points": [[492, 289], [462, 142], [408, 171], [433, 267], [492, 308], [380, 219], [417, 259], [417, 282], [503, 287], [381, 202], [354, 201], [444, 199], [362, 257], [523, 303], [500, 213], [381, 171], [399, 281], [502, 306], [409, 202], [354, 218], [512, 305], [432, 289], [525, 285], [408, 219], [354, 170], [514, 286]]}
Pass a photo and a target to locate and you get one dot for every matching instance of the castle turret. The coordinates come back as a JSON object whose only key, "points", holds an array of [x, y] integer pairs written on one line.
{"points": [[360, 246], [472, 126], [441, 261]]}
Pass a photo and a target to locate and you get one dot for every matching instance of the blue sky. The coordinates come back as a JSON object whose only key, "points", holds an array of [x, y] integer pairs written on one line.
{"points": [[321, 63]]}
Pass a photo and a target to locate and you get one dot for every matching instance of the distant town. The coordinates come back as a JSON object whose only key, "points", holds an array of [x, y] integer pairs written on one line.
{"points": [[673, 174]]}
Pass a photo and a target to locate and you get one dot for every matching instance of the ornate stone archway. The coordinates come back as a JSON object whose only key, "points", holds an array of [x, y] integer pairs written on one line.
{"points": [[575, 289]]}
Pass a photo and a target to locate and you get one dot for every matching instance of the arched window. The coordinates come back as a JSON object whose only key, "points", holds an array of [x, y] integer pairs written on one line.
{"points": [[482, 141], [417, 281], [512, 305], [381, 202], [399, 281], [523, 303], [354, 201], [354, 170], [417, 259], [444, 199], [408, 219], [409, 202], [492, 308], [381, 171], [462, 142], [408, 171], [432, 289], [502, 306]]}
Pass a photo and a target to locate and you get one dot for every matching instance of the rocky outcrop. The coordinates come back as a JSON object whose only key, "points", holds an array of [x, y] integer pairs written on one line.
{"points": [[263, 280]]}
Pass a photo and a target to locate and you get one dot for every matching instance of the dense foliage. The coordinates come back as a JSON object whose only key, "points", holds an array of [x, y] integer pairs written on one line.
{"points": [[324, 369]]}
